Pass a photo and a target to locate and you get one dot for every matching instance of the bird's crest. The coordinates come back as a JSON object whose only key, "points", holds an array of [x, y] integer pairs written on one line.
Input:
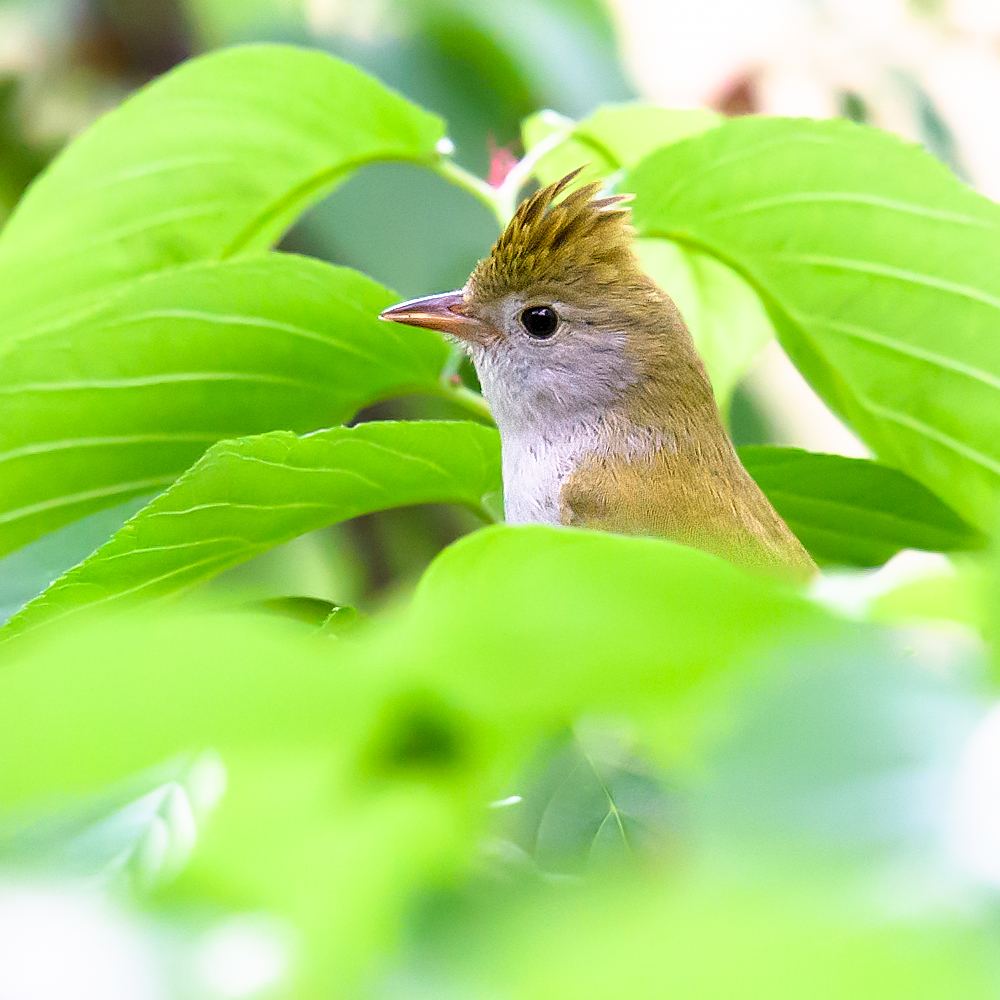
{"points": [[581, 240]]}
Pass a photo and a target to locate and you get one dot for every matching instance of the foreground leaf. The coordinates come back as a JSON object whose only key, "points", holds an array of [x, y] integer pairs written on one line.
{"points": [[246, 496], [358, 770], [680, 619], [217, 157], [786, 934], [878, 268], [853, 511], [312, 611], [533, 608], [506, 641], [123, 393], [139, 830], [294, 834]]}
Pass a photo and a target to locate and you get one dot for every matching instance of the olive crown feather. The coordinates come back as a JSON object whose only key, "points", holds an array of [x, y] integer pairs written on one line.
{"points": [[581, 239]]}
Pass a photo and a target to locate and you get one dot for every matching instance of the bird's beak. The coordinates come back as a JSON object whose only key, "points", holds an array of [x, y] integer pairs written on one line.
{"points": [[445, 313]]}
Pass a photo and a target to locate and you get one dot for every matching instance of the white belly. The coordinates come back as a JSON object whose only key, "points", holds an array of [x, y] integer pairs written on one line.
{"points": [[534, 470], [535, 467]]}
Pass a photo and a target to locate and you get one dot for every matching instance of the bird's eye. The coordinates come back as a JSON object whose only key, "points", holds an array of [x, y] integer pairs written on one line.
{"points": [[540, 321]]}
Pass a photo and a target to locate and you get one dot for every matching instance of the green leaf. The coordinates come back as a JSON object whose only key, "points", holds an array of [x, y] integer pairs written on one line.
{"points": [[531, 607], [614, 136], [343, 865], [327, 617], [123, 393], [214, 158], [24, 574], [142, 828], [296, 834], [309, 610], [965, 595], [335, 809], [853, 511], [341, 618], [140, 690], [877, 267], [592, 803], [246, 496], [561, 621], [785, 932], [724, 314]]}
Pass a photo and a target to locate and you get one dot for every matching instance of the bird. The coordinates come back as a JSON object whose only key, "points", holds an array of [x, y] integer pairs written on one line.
{"points": [[606, 414]]}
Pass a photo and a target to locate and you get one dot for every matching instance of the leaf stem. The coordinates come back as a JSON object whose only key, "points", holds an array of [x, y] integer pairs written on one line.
{"points": [[502, 201], [468, 181], [507, 193], [472, 402]]}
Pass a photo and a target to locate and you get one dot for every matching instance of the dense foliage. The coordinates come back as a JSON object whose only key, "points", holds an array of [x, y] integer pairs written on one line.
{"points": [[153, 341]]}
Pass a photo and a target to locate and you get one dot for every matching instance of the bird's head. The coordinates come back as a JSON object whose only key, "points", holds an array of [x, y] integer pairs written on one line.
{"points": [[560, 320]]}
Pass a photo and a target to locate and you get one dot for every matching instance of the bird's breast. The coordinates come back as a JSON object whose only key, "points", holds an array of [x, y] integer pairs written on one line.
{"points": [[534, 469], [538, 465]]}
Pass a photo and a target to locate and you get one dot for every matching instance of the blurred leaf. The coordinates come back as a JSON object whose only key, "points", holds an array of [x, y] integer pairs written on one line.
{"points": [[563, 621], [838, 752], [19, 162], [296, 833], [564, 51], [143, 827], [592, 14], [123, 393], [777, 941], [964, 596], [877, 268], [340, 619], [726, 318], [217, 23], [614, 136], [324, 564], [329, 618], [99, 702], [248, 495], [215, 158], [680, 619], [308, 610], [296, 837], [591, 803], [853, 511], [359, 770]]}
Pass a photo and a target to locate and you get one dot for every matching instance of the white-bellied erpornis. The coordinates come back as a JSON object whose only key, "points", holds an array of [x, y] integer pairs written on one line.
{"points": [[606, 414]]}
